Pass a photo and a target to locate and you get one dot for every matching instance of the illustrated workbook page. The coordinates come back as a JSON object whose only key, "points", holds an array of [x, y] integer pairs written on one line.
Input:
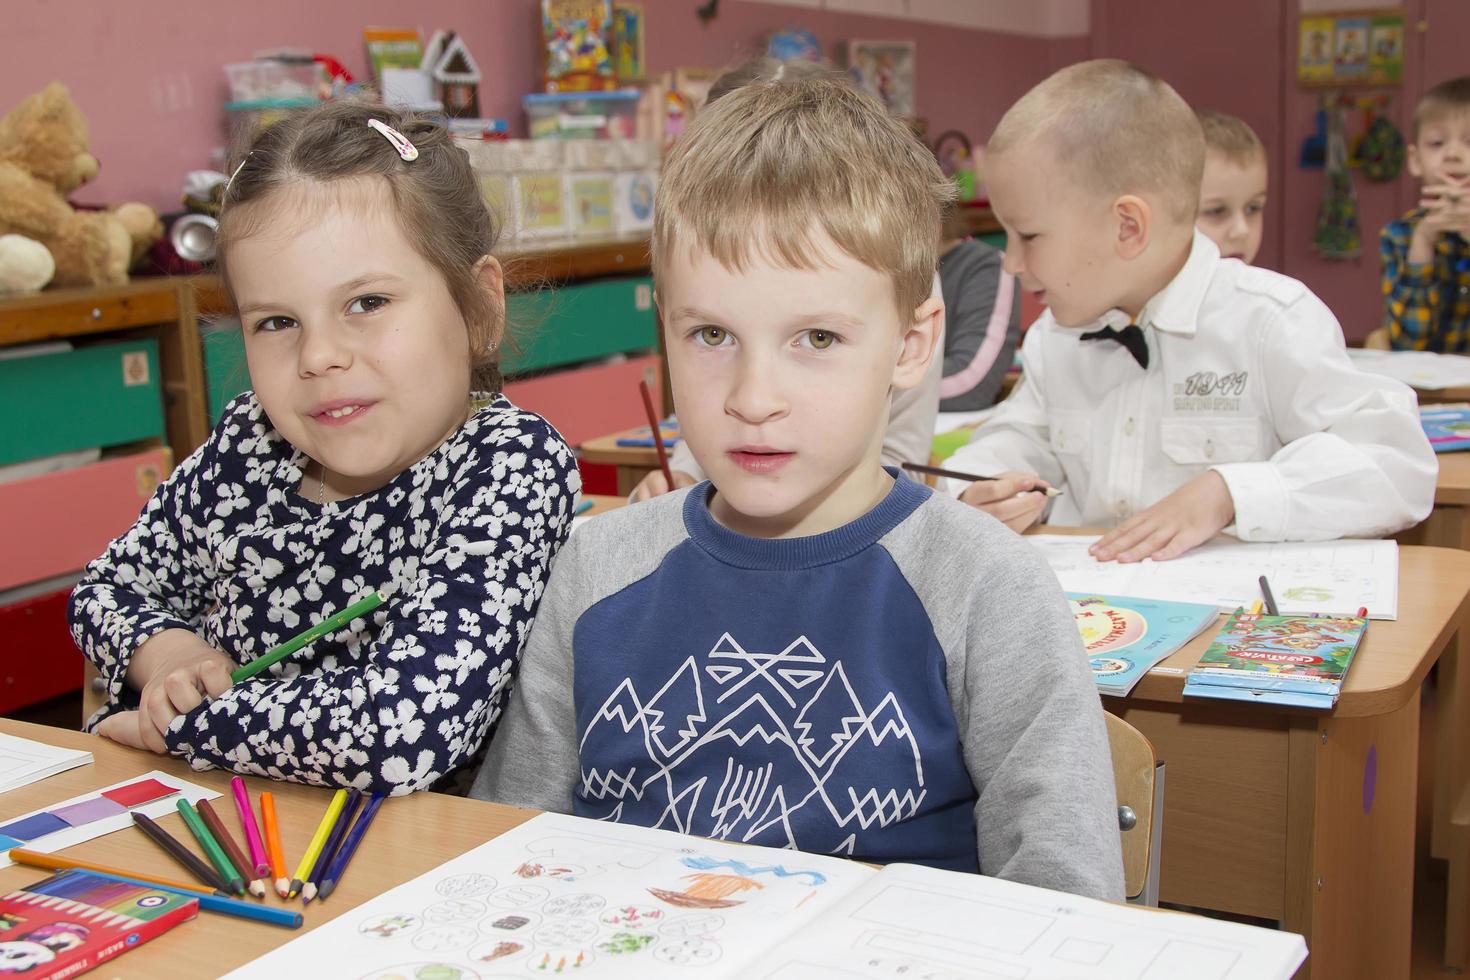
{"points": [[561, 895], [23, 761], [922, 924], [1330, 577]]}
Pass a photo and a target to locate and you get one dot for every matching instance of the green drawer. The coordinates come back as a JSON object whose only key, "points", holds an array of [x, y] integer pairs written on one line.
{"points": [[225, 372], [582, 322], [98, 395]]}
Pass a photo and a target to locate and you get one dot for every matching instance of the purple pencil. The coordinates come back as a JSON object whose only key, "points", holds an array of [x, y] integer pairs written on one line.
{"points": [[349, 845]]}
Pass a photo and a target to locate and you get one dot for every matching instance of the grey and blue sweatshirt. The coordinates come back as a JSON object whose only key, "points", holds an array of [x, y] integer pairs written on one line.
{"points": [[908, 687]]}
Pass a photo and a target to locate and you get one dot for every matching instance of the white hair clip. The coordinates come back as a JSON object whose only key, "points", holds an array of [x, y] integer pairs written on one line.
{"points": [[231, 182], [406, 150]]}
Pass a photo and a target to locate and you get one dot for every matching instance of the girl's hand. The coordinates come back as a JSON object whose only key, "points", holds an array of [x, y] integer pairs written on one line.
{"points": [[122, 727], [175, 671]]}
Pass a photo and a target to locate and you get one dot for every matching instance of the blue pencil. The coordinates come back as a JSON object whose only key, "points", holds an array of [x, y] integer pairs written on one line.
{"points": [[349, 845], [582, 508], [329, 849], [225, 906]]}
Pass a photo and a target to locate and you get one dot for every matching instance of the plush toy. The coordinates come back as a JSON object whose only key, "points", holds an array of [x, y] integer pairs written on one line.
{"points": [[25, 266], [44, 157]]}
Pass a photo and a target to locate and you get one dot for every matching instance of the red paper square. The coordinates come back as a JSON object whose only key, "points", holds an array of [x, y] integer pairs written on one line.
{"points": [[136, 794]]}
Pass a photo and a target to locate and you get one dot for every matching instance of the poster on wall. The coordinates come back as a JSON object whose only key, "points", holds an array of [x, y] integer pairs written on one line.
{"points": [[1356, 48], [884, 69]]}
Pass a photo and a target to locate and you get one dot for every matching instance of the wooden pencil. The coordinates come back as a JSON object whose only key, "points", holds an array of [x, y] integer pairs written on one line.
{"points": [[180, 853], [252, 830], [206, 840], [349, 845], [232, 850], [329, 849], [308, 859], [57, 862], [361, 607], [967, 477], [658, 438], [1270, 599], [273, 843]]}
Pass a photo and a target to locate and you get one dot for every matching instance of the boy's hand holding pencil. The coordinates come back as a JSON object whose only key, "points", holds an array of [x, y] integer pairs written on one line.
{"points": [[1017, 500]]}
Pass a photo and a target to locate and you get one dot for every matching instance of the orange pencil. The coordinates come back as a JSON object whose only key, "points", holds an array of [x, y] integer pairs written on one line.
{"points": [[273, 843]]}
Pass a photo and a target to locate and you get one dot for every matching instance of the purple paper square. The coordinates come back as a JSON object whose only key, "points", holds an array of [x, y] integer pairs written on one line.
{"points": [[89, 810], [36, 825]]}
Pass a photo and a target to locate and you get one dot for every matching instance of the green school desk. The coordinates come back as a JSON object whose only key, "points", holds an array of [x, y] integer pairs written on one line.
{"points": [[1309, 818]]}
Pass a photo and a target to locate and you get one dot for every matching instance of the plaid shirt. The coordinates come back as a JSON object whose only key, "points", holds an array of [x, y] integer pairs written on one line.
{"points": [[1425, 307]]}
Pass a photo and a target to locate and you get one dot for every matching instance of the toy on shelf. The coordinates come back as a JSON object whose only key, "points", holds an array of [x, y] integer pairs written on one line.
{"points": [[25, 265], [628, 44], [456, 76], [43, 158], [577, 40]]}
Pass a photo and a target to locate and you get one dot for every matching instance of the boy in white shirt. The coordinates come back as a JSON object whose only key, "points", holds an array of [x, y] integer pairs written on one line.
{"points": [[1170, 393]]}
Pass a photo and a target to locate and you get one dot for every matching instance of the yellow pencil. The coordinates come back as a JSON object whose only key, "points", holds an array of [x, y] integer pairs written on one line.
{"points": [[1256, 609], [308, 860]]}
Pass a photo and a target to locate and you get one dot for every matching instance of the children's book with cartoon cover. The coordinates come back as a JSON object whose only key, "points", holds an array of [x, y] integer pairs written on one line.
{"points": [[1293, 660], [1125, 637], [74, 921], [1448, 427], [567, 896]]}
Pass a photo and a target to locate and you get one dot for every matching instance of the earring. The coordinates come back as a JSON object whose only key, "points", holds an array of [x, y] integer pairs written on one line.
{"points": [[492, 346]]}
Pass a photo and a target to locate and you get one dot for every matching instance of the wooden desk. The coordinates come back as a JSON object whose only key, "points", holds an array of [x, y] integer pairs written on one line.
{"points": [[633, 462], [410, 836], [1308, 818], [1448, 525], [1442, 396], [602, 503]]}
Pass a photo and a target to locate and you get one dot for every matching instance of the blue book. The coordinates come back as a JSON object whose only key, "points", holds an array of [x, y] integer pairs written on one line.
{"points": [[1295, 660], [1124, 637], [1448, 429]]}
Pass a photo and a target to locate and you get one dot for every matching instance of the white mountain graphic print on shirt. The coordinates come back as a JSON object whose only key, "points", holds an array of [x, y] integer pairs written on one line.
{"points": [[737, 745]]}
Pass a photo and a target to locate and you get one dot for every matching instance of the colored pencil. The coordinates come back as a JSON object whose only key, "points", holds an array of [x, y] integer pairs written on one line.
{"points": [[1362, 612], [208, 901], [582, 508], [273, 843], [349, 844], [180, 853], [232, 850], [658, 442], [1256, 608], [318, 839], [968, 477], [329, 849], [1270, 599], [252, 830], [211, 848], [361, 607], [55, 862]]}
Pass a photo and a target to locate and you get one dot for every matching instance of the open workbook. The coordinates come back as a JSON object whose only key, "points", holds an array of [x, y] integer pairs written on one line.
{"points": [[561, 895]]}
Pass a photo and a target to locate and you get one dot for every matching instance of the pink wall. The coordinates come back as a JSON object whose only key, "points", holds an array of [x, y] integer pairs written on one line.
{"points": [[148, 75], [1246, 64]]}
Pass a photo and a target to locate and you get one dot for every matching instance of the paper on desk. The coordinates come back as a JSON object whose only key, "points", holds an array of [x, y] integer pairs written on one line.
{"points": [[24, 760], [912, 921], [1415, 368], [1306, 577], [106, 825]]}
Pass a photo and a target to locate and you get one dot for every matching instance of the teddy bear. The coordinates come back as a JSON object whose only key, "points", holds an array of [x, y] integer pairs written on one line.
{"points": [[44, 157]]}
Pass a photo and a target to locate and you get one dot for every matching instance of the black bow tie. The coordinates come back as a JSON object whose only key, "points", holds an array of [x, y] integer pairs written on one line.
{"points": [[1130, 337]]}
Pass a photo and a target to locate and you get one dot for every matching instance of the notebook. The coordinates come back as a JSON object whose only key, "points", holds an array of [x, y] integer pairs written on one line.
{"points": [[1294, 660], [1447, 426], [562, 895], [24, 761], [74, 921], [1124, 638]]}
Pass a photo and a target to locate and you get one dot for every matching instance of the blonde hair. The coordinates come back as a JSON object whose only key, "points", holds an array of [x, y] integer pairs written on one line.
{"points": [[767, 163], [436, 198], [1116, 128], [1230, 137], [1445, 99]]}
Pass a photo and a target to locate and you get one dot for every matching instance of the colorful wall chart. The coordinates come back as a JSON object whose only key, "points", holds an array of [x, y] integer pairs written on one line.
{"points": [[97, 813]]}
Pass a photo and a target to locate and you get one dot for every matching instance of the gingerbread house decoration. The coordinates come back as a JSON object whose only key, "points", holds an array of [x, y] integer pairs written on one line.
{"points": [[454, 72]]}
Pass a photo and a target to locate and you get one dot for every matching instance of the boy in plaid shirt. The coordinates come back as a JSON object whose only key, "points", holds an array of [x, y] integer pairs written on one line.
{"points": [[1426, 256]]}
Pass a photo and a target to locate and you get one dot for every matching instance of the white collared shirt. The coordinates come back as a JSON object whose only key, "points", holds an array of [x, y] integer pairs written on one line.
{"points": [[1248, 376]]}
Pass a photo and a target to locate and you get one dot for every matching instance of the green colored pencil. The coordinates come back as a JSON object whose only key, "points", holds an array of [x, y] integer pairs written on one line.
{"points": [[216, 854], [361, 607]]}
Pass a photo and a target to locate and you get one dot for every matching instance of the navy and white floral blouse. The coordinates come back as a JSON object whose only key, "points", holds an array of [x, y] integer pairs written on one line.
{"points": [[461, 541]]}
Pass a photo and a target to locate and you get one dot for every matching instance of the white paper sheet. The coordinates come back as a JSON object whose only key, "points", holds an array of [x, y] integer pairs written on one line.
{"points": [[24, 761], [917, 922], [1306, 577], [562, 895], [98, 828], [1416, 368]]}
